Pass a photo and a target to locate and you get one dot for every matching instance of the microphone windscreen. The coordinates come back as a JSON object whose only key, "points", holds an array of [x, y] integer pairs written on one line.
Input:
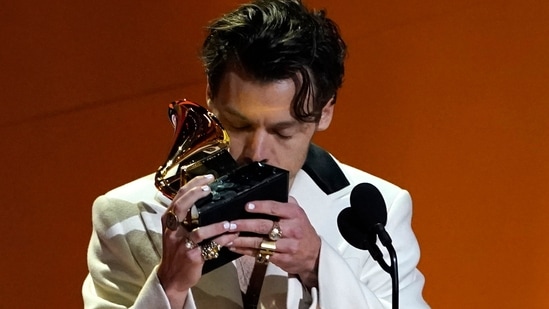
{"points": [[368, 204], [353, 230]]}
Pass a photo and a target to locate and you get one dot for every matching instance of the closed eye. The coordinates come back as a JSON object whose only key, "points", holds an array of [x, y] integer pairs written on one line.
{"points": [[240, 127], [283, 136]]}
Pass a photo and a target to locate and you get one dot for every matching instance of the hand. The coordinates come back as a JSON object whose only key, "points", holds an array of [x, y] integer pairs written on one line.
{"points": [[298, 249], [182, 261]]}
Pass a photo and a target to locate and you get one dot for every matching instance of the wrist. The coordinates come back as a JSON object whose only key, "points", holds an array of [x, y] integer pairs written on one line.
{"points": [[310, 278], [176, 294], [177, 298]]}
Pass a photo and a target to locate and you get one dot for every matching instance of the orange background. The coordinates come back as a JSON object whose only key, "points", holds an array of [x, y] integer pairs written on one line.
{"points": [[448, 99]]}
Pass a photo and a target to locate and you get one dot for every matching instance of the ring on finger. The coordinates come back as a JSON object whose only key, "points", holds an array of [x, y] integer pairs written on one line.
{"points": [[172, 222], [190, 244], [210, 251], [276, 231], [266, 250]]}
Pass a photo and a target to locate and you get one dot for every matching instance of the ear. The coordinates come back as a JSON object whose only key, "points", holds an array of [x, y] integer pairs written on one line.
{"points": [[326, 116]]}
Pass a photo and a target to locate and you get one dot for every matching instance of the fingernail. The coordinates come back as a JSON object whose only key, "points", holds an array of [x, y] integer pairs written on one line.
{"points": [[226, 225], [209, 176], [251, 206], [205, 188], [232, 226], [229, 244]]}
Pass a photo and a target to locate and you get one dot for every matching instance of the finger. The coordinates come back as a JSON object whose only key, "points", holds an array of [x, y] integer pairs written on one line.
{"points": [[195, 189], [200, 234], [197, 181], [247, 242], [226, 240], [257, 226], [252, 244], [223, 240], [251, 247], [183, 202], [273, 208], [247, 247]]}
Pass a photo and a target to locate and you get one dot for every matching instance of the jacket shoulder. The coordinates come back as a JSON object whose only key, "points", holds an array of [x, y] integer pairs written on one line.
{"points": [[125, 202]]}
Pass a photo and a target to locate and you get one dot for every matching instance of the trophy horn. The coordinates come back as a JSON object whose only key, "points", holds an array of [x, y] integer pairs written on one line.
{"points": [[200, 147]]}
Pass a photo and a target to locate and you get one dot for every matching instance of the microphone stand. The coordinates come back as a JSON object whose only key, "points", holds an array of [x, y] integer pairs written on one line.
{"points": [[378, 256]]}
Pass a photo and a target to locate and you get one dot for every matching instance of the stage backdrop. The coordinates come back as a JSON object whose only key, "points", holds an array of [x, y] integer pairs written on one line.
{"points": [[448, 99]]}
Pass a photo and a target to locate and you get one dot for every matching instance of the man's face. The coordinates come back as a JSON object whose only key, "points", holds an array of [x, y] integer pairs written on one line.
{"points": [[258, 119]]}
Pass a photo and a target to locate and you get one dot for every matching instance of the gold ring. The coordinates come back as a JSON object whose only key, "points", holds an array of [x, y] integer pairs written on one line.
{"points": [[266, 249], [276, 232], [189, 244], [172, 222], [210, 251]]}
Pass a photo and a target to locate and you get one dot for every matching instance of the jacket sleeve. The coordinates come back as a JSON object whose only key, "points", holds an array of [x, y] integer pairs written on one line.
{"points": [[351, 278], [122, 271]]}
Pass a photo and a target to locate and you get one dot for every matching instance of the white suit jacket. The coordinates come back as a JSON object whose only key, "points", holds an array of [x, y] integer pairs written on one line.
{"points": [[125, 249]]}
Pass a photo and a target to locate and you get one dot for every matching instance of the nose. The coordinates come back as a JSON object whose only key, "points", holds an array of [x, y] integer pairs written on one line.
{"points": [[255, 147]]}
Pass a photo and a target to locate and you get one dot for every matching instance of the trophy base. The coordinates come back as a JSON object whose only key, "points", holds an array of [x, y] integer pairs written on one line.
{"points": [[229, 195]]}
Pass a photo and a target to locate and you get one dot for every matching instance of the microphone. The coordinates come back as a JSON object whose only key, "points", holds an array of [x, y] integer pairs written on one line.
{"points": [[358, 224], [376, 212], [363, 222], [375, 215]]}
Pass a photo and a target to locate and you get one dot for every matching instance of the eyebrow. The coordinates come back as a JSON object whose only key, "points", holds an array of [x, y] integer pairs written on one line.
{"points": [[235, 113], [285, 124], [279, 125]]}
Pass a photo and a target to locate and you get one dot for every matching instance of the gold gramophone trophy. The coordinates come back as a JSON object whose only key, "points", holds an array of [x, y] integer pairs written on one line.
{"points": [[201, 146]]}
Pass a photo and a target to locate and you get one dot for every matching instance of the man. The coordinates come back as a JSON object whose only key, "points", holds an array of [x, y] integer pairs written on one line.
{"points": [[273, 70]]}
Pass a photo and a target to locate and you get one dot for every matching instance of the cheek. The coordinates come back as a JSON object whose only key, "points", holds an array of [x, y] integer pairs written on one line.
{"points": [[293, 159], [235, 148], [290, 156]]}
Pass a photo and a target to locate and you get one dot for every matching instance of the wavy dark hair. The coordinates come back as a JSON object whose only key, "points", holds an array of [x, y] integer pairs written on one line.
{"points": [[279, 39]]}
